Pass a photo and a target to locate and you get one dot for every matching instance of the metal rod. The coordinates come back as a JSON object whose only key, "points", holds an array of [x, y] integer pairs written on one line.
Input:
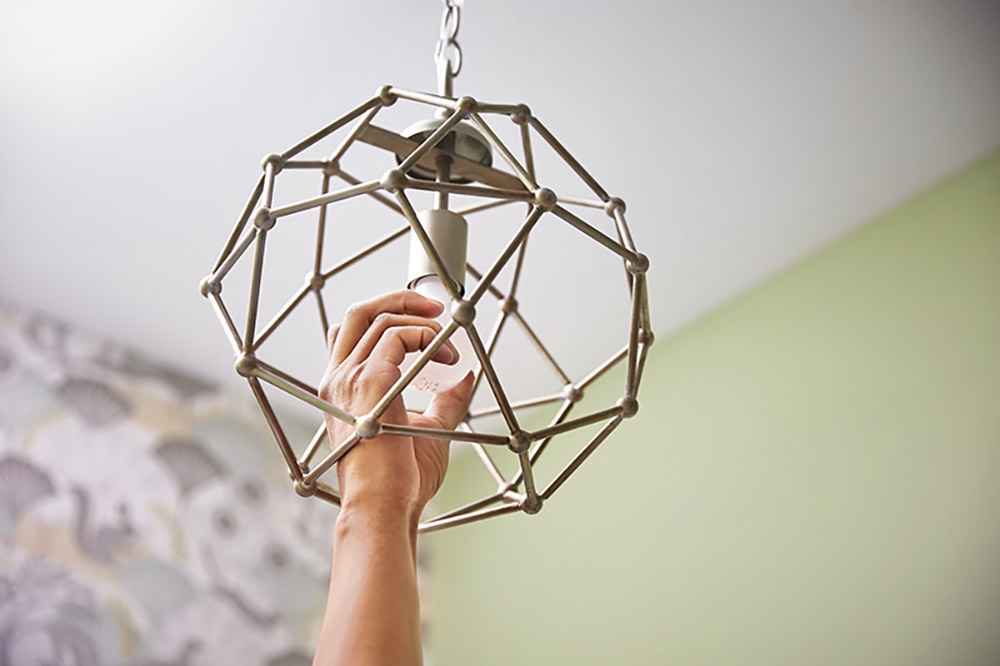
{"points": [[425, 241], [315, 202], [580, 457], [492, 378], [501, 148], [355, 131], [323, 321], [469, 190], [518, 264], [430, 142], [321, 226], [641, 364], [504, 257], [563, 377], [331, 459], [531, 495], [424, 98], [479, 277], [358, 256], [331, 128], [446, 435], [623, 228], [282, 314], [638, 286], [302, 395], [443, 163], [468, 508], [378, 196], [467, 518], [281, 374], [324, 492], [490, 344], [500, 109], [241, 222], [593, 233], [581, 201], [485, 206], [418, 365], [279, 434], [529, 155], [521, 404], [227, 265], [304, 164], [541, 444], [269, 173], [258, 268], [222, 313], [604, 367], [314, 444], [580, 422], [485, 457], [565, 154]]}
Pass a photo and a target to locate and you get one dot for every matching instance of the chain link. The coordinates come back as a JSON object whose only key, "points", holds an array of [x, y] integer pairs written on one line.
{"points": [[448, 48]]}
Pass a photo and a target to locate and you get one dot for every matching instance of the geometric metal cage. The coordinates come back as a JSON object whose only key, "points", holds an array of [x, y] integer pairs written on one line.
{"points": [[488, 187]]}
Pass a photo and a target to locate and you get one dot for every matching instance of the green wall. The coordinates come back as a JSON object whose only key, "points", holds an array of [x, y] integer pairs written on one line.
{"points": [[813, 478]]}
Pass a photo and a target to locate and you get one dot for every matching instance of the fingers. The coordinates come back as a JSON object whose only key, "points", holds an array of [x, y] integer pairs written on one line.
{"points": [[360, 317], [448, 408], [397, 341], [386, 323], [331, 338]]}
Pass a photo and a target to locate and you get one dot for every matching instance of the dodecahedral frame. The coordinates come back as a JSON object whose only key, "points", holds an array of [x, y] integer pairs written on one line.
{"points": [[457, 174]]}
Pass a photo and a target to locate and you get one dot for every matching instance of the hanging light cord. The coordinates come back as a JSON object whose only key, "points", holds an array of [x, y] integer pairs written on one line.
{"points": [[448, 53]]}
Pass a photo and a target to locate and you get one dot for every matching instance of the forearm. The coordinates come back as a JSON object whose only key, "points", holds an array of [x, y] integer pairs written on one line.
{"points": [[373, 611]]}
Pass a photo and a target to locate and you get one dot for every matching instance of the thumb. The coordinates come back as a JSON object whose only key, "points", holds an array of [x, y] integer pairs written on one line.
{"points": [[448, 408]]}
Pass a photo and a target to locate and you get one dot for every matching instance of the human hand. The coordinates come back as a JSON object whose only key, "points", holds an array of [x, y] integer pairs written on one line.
{"points": [[389, 472]]}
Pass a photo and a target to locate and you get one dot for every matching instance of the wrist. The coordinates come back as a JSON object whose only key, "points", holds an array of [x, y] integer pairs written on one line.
{"points": [[377, 514]]}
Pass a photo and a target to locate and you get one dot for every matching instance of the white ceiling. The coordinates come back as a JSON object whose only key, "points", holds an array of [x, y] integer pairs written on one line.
{"points": [[742, 135]]}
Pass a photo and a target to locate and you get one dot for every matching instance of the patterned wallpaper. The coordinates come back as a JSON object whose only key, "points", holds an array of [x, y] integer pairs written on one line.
{"points": [[144, 519]]}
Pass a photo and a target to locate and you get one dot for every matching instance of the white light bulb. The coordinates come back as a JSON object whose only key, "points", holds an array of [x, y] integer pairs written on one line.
{"points": [[440, 377]]}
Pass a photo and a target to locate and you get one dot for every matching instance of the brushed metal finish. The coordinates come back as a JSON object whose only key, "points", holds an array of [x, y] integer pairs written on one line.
{"points": [[480, 187]]}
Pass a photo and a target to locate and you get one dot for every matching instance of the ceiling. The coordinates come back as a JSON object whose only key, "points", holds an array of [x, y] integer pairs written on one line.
{"points": [[743, 136]]}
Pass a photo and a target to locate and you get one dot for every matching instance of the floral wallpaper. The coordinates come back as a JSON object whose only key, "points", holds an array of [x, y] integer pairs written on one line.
{"points": [[144, 519]]}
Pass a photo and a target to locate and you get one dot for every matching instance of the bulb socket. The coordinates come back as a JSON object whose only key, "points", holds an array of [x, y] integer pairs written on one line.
{"points": [[449, 234]]}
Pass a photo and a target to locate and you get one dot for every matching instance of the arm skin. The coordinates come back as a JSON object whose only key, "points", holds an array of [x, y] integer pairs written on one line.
{"points": [[373, 610]]}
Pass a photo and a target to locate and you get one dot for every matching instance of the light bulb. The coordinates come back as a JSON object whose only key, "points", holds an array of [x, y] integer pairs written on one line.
{"points": [[440, 377]]}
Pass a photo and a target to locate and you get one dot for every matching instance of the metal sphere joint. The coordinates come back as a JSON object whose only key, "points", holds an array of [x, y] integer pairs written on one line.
{"points": [[206, 286], [392, 180], [263, 220], [519, 441], [545, 198], [316, 281], [463, 312], [531, 505], [276, 162], [628, 405], [385, 95], [367, 427], [613, 205], [303, 489], [466, 104], [245, 365], [522, 114], [638, 265]]}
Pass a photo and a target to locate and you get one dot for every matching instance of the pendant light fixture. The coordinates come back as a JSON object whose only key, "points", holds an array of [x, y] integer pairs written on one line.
{"points": [[450, 154]]}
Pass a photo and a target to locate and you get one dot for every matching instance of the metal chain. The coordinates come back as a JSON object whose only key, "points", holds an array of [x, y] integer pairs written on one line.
{"points": [[448, 53]]}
